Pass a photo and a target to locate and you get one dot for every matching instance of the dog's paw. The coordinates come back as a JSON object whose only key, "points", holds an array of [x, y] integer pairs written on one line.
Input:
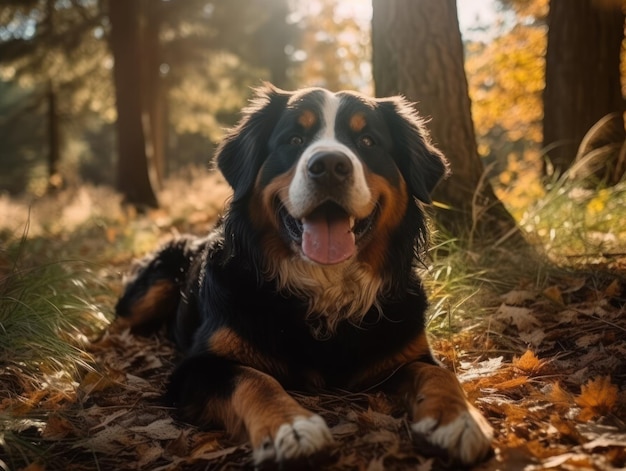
{"points": [[466, 439], [295, 440]]}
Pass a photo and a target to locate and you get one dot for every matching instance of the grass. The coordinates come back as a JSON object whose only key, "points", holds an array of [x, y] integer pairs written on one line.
{"points": [[572, 221]]}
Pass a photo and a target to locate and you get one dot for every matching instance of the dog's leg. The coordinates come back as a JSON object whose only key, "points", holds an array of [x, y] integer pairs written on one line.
{"points": [[441, 414], [249, 402]]}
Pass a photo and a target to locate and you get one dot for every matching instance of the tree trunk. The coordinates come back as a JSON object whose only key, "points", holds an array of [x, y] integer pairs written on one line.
{"points": [[154, 95], [418, 52], [582, 73], [133, 179], [55, 179]]}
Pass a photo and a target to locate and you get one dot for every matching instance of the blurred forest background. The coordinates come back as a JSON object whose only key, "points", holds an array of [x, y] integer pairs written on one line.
{"points": [[186, 67]]}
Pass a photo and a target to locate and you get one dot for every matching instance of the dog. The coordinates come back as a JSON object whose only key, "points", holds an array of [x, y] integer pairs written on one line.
{"points": [[309, 280]]}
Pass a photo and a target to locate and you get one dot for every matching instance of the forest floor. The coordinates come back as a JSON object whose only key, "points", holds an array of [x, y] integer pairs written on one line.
{"points": [[544, 359]]}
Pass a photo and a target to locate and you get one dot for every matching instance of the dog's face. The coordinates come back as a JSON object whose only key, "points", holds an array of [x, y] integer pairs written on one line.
{"points": [[329, 174]]}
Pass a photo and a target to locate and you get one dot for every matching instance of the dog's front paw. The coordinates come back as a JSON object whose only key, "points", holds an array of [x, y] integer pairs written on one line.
{"points": [[298, 439], [465, 438]]}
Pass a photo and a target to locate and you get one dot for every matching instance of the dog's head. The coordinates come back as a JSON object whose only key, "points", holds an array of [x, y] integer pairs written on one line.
{"points": [[325, 173]]}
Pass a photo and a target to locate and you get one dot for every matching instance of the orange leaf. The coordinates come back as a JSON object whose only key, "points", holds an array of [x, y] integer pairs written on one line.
{"points": [[553, 293], [34, 467], [512, 383], [597, 397], [613, 290], [560, 396], [528, 363]]}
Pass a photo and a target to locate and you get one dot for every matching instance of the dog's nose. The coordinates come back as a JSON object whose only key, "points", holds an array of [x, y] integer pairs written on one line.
{"points": [[330, 167]]}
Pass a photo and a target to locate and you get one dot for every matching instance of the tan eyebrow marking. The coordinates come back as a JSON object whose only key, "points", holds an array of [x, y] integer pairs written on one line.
{"points": [[357, 122], [307, 119]]}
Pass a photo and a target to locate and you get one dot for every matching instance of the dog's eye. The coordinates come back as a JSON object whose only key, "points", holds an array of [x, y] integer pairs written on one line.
{"points": [[366, 141], [296, 140]]}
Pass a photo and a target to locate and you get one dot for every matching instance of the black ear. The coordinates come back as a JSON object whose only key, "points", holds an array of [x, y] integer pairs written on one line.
{"points": [[422, 165], [243, 150]]}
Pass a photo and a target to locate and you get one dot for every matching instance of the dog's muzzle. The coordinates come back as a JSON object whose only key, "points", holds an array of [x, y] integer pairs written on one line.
{"points": [[328, 233]]}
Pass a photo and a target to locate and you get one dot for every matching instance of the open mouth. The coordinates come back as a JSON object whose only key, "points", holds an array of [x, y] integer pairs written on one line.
{"points": [[328, 234]]}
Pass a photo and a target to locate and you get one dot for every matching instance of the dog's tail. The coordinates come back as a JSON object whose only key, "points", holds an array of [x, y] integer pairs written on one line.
{"points": [[152, 291]]}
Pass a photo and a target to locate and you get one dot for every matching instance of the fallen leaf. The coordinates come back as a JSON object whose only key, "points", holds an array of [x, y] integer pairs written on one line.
{"points": [[554, 293], [57, 427], [529, 363], [483, 368], [521, 317], [163, 429], [518, 297], [511, 383], [345, 428], [614, 289], [32, 467], [597, 397]]}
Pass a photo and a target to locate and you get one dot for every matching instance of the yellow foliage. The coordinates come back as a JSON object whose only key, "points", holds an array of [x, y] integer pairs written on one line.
{"points": [[598, 203]]}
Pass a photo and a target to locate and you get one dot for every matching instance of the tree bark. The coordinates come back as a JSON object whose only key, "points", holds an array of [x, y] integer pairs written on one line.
{"points": [[582, 73], [133, 179], [55, 179], [418, 53], [154, 96]]}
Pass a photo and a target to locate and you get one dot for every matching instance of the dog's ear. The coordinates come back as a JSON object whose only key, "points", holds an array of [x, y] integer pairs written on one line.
{"points": [[422, 165], [242, 152]]}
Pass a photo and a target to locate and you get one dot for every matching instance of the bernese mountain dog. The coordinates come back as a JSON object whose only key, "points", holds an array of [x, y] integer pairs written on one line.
{"points": [[309, 281]]}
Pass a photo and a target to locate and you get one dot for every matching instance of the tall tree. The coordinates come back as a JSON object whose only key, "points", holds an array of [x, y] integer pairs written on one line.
{"points": [[133, 179], [582, 72], [418, 52]]}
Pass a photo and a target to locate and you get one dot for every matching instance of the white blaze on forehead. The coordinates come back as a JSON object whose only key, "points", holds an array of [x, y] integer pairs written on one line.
{"points": [[329, 115], [301, 189]]}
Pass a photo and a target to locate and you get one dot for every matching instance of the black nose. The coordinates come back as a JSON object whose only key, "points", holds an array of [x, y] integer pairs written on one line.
{"points": [[330, 167]]}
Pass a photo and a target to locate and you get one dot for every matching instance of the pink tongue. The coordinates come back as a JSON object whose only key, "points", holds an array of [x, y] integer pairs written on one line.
{"points": [[327, 237]]}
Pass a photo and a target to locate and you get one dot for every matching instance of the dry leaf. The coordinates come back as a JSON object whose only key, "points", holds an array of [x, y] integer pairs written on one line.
{"points": [[94, 382], [597, 397], [57, 427], [345, 429], [521, 317], [511, 383], [33, 467], [163, 429], [483, 368], [554, 293], [559, 396], [614, 289], [180, 445], [518, 297], [529, 363]]}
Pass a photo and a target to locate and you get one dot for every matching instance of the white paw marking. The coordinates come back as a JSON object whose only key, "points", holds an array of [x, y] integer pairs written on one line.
{"points": [[300, 438], [466, 439]]}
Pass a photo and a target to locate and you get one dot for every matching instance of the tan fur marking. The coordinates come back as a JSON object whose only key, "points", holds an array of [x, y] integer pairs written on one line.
{"points": [[264, 217], [227, 343], [357, 122], [307, 119], [393, 205], [152, 304], [432, 391], [263, 405]]}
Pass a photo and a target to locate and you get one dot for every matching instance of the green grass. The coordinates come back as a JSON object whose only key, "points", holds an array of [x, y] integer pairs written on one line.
{"points": [[575, 222], [47, 314]]}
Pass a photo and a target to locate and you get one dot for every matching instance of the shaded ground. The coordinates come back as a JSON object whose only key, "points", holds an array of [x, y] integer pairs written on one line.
{"points": [[547, 368]]}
